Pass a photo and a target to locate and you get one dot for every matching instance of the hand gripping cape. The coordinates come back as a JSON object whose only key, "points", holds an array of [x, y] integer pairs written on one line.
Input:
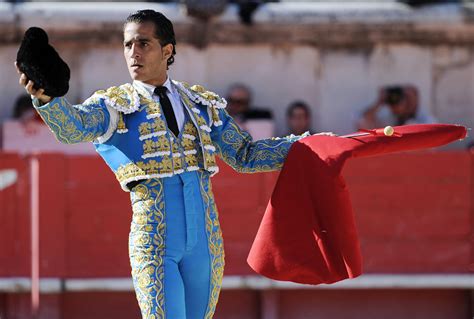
{"points": [[308, 234]]}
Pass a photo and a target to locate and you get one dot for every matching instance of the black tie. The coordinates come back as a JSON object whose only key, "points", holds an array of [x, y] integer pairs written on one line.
{"points": [[167, 109]]}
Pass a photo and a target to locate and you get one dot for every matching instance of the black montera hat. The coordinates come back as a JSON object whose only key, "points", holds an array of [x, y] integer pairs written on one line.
{"points": [[40, 62]]}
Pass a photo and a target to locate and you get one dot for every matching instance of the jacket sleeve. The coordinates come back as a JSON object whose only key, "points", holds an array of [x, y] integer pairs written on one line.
{"points": [[92, 121], [236, 148]]}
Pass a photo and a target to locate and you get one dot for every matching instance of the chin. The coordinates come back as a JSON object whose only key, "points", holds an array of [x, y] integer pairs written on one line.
{"points": [[136, 76]]}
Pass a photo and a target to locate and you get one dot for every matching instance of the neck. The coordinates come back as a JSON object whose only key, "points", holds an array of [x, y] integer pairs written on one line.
{"points": [[159, 81]]}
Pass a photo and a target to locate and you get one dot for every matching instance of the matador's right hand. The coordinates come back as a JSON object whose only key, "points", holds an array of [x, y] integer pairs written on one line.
{"points": [[29, 87]]}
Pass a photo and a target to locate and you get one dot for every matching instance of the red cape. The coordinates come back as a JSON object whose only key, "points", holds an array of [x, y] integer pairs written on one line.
{"points": [[308, 233]]}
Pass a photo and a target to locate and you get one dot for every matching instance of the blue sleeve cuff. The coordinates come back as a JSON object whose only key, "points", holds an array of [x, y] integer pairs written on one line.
{"points": [[39, 105]]}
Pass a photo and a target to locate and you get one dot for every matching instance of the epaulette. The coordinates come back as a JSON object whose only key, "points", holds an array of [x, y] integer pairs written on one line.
{"points": [[123, 98], [199, 94]]}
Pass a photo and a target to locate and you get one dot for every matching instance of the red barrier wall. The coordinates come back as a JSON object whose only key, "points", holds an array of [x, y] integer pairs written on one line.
{"points": [[414, 214]]}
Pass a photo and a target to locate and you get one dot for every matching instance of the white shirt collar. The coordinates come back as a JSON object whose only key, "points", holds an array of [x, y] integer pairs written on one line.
{"points": [[151, 88]]}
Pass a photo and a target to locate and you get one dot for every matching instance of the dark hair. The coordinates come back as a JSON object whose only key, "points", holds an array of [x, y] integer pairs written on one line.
{"points": [[22, 105], [163, 27], [394, 95], [297, 105], [240, 86]]}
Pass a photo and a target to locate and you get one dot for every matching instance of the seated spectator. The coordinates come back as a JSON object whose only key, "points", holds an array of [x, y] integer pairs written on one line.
{"points": [[298, 117], [402, 104], [24, 113], [239, 99], [470, 147], [258, 122]]}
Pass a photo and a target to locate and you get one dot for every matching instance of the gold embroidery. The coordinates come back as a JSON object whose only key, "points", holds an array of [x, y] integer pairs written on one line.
{"points": [[121, 128], [147, 247], [153, 109], [203, 134], [123, 98], [152, 164], [238, 150], [158, 125], [149, 130], [201, 121], [148, 147], [198, 88], [206, 139], [215, 116], [144, 129], [162, 145], [156, 148], [190, 129], [70, 125], [208, 95], [210, 159], [191, 160], [175, 147], [166, 164], [188, 144], [216, 244], [199, 94], [181, 154], [178, 163]]}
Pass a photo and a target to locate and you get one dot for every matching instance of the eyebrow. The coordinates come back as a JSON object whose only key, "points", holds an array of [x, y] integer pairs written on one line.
{"points": [[143, 40]]}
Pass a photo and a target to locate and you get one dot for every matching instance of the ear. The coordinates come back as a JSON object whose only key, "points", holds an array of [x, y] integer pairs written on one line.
{"points": [[167, 51]]}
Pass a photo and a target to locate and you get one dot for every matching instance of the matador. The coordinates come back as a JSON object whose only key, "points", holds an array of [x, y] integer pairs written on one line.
{"points": [[161, 137]]}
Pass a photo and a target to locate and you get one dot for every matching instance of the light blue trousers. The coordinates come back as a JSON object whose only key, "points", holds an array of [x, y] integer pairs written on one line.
{"points": [[169, 249]]}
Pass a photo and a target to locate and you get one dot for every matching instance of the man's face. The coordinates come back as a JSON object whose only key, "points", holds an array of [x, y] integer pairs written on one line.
{"points": [[400, 109], [238, 101], [146, 58], [299, 120]]}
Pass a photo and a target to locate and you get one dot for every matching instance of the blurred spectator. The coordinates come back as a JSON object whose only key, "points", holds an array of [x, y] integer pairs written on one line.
{"points": [[402, 104], [23, 107], [257, 121], [204, 9], [247, 9], [239, 99], [470, 147], [418, 3], [298, 117], [27, 133], [24, 112]]}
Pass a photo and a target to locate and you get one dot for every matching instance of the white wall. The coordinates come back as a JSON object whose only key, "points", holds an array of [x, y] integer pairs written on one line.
{"points": [[338, 82]]}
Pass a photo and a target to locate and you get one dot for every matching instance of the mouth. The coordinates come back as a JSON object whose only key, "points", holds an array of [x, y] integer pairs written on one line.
{"points": [[136, 66]]}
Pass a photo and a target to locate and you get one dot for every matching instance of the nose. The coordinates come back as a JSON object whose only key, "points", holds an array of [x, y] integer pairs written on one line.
{"points": [[134, 52]]}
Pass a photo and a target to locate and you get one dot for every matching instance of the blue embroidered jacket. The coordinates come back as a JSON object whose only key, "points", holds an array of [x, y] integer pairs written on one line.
{"points": [[129, 131]]}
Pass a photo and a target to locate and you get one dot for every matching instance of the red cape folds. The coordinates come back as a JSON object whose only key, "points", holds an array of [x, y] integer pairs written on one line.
{"points": [[308, 233]]}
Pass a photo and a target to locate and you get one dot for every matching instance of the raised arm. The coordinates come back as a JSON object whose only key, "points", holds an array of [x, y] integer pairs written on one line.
{"points": [[87, 122]]}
